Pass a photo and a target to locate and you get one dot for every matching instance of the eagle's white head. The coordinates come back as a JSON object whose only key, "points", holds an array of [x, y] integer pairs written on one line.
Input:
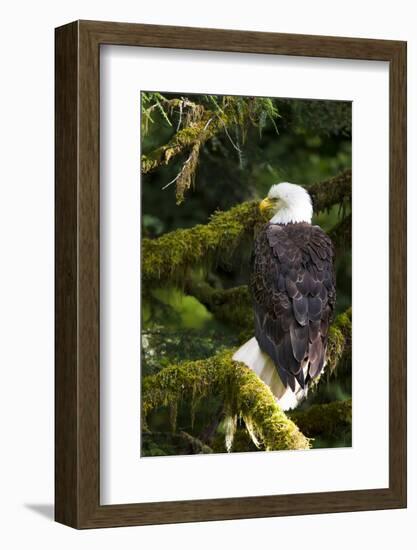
{"points": [[287, 203]]}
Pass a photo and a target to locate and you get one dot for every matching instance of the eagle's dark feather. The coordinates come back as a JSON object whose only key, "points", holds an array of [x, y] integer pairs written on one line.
{"points": [[293, 287]]}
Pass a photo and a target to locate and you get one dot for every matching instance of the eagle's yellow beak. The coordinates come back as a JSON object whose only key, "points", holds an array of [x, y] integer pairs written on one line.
{"points": [[265, 205]]}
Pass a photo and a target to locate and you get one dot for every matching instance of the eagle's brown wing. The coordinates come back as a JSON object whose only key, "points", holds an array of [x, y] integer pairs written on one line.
{"points": [[293, 287]]}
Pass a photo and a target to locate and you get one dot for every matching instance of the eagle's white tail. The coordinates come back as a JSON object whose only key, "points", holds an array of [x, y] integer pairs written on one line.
{"points": [[260, 362]]}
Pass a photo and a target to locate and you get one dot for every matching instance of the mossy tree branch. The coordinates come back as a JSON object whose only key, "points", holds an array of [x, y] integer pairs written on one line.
{"points": [[244, 394], [340, 338], [337, 190], [155, 443], [170, 257], [202, 124], [199, 132], [326, 420]]}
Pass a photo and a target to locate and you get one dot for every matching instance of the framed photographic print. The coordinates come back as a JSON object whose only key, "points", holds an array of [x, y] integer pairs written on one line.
{"points": [[230, 274]]}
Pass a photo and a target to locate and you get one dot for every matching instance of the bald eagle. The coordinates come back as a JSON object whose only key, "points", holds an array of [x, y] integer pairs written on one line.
{"points": [[293, 289]]}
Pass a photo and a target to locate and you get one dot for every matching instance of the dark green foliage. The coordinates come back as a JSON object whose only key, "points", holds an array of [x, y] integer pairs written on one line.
{"points": [[167, 443], [161, 346], [329, 118], [328, 424], [341, 235]]}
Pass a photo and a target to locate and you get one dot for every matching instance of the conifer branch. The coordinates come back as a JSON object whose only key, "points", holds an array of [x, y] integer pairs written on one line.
{"points": [[202, 124], [327, 420], [336, 190], [170, 257], [244, 394]]}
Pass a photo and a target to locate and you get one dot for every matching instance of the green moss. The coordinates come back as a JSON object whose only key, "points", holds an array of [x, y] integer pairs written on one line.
{"points": [[182, 140], [337, 190], [330, 420], [340, 335], [171, 256], [244, 394], [163, 444], [204, 126]]}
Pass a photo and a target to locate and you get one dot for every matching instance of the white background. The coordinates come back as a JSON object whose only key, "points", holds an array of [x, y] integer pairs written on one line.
{"points": [[126, 478], [26, 300]]}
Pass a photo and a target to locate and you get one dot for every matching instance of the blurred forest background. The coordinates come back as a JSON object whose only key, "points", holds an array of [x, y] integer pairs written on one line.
{"points": [[206, 162]]}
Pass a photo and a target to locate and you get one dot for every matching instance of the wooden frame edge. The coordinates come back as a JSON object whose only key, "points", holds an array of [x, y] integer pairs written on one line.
{"points": [[77, 274], [66, 276]]}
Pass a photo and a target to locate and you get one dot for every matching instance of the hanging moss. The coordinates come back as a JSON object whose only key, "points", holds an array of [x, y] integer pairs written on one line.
{"points": [[325, 420], [170, 257], [242, 441], [340, 337], [181, 141], [201, 124], [244, 394]]}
